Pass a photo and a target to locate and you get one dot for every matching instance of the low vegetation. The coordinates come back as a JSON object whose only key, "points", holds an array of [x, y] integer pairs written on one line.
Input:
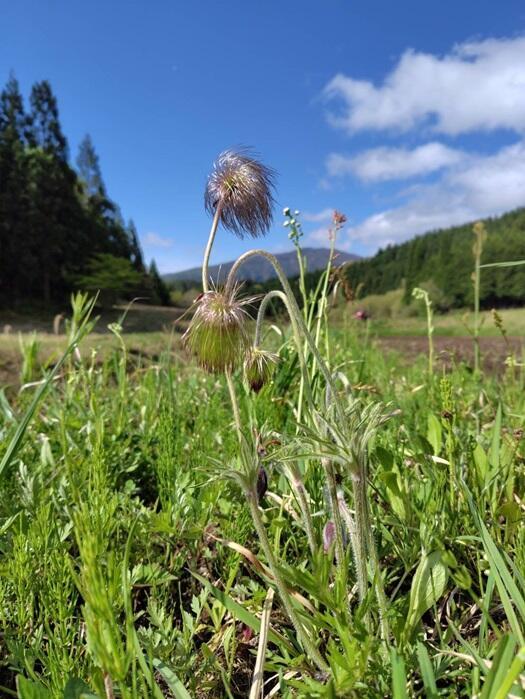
{"points": [[302, 515]]}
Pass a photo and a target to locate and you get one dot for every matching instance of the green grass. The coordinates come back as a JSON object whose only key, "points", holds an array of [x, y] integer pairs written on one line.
{"points": [[127, 558]]}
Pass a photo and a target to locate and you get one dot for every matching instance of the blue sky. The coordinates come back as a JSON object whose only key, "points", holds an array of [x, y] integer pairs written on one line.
{"points": [[406, 116]]}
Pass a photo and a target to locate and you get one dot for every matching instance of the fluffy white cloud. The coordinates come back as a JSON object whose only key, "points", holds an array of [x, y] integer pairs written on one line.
{"points": [[479, 186], [155, 240], [478, 86], [380, 164]]}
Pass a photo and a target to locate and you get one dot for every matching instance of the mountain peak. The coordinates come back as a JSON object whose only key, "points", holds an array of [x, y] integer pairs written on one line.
{"points": [[257, 269]]}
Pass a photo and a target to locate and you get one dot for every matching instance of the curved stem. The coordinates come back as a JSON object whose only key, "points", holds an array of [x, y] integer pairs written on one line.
{"points": [[209, 245], [294, 308], [302, 634], [276, 293]]}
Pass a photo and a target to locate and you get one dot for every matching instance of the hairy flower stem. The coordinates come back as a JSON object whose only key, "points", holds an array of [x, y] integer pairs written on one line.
{"points": [[302, 634], [209, 245], [300, 493], [305, 380], [235, 404], [108, 686], [362, 535], [295, 476], [294, 309], [336, 514]]}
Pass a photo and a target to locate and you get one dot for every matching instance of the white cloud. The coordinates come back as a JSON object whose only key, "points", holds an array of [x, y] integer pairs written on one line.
{"points": [[478, 86], [480, 186], [155, 240], [380, 164]]}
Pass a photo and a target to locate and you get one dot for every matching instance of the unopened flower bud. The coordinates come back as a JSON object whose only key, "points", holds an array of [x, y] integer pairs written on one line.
{"points": [[262, 484], [328, 535], [258, 367]]}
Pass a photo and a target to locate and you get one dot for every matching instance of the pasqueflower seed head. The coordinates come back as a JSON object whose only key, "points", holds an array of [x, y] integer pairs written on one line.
{"points": [[242, 186], [217, 334], [258, 367]]}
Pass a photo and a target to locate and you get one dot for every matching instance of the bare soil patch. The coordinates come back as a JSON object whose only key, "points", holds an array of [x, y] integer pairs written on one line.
{"points": [[453, 350]]}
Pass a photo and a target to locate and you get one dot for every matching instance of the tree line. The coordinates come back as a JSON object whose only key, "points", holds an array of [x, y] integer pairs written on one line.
{"points": [[442, 261], [59, 229]]}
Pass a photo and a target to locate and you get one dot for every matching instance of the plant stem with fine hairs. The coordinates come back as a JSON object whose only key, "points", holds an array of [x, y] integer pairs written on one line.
{"points": [[302, 634], [235, 404], [294, 308], [209, 245]]}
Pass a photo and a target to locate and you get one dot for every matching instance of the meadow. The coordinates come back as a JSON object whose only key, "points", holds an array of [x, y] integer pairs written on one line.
{"points": [[293, 512]]}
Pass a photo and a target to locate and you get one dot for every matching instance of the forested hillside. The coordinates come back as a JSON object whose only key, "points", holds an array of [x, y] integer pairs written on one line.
{"points": [[442, 261], [59, 230]]}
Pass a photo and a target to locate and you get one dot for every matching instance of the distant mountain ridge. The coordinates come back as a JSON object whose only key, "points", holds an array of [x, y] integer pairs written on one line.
{"points": [[257, 269]]}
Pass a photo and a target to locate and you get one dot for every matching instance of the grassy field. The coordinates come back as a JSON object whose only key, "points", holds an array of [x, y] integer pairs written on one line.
{"points": [[140, 545]]}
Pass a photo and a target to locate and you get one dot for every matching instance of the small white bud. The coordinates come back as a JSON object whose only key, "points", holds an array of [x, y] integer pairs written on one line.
{"points": [[286, 211]]}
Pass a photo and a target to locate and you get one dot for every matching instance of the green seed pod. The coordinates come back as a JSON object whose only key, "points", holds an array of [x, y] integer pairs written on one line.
{"points": [[258, 367], [216, 334]]}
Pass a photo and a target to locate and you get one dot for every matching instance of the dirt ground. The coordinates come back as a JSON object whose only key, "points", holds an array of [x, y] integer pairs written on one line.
{"points": [[450, 350]]}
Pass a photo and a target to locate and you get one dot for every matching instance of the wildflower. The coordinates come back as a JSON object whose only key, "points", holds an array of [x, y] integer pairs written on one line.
{"points": [[217, 333], [242, 187], [328, 535], [338, 219], [361, 315], [258, 367], [262, 483]]}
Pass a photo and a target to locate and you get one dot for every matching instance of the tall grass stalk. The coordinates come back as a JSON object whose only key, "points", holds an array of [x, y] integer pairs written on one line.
{"points": [[423, 295], [480, 235]]}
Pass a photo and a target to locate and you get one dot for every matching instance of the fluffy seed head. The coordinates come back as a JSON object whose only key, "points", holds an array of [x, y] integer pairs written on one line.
{"points": [[258, 367], [242, 186], [217, 334]]}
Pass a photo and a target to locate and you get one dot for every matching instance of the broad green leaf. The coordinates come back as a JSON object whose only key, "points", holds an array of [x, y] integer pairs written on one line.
{"points": [[171, 679], [434, 433], [393, 493], [399, 678], [482, 464], [77, 689], [428, 585], [31, 690], [427, 672]]}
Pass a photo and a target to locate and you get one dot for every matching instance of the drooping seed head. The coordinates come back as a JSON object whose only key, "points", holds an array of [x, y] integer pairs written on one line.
{"points": [[217, 334], [258, 367], [242, 187]]}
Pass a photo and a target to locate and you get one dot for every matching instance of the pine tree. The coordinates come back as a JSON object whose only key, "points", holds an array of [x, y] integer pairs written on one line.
{"points": [[15, 262], [46, 132], [160, 288], [88, 167], [137, 257]]}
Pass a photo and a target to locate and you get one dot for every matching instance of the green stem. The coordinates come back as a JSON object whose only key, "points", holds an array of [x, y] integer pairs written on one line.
{"points": [[300, 493], [361, 533], [294, 311], [302, 634], [209, 245], [336, 513], [477, 276], [305, 381], [235, 403]]}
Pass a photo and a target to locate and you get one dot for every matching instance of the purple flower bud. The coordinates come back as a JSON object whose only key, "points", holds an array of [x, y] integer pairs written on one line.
{"points": [[262, 483], [328, 535]]}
